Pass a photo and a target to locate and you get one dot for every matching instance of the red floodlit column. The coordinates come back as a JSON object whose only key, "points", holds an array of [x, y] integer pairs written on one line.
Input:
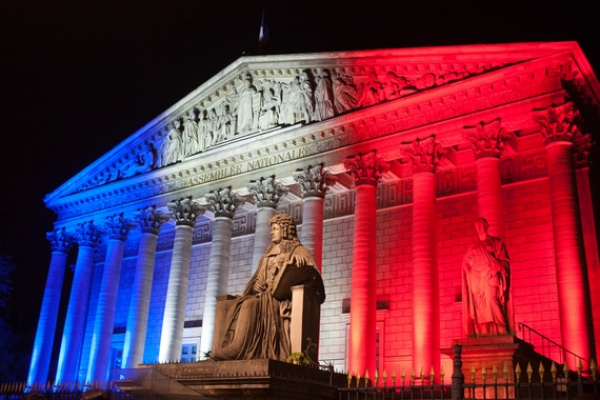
{"points": [[313, 182], [487, 141], [559, 126], [366, 171], [424, 156], [267, 192]]}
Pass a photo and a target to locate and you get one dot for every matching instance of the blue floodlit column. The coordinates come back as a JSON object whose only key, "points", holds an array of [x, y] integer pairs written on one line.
{"points": [[267, 193], [117, 229], [185, 211], [150, 220], [88, 237], [61, 242], [314, 182], [224, 203]]}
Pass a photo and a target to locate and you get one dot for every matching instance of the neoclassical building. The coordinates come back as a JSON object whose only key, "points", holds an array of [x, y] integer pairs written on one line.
{"points": [[384, 158]]}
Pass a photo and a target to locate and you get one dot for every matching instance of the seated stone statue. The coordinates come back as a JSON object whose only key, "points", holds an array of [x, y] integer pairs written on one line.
{"points": [[257, 325], [486, 285]]}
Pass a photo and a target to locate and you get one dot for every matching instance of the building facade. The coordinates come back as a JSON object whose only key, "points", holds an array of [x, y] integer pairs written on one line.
{"points": [[385, 159]]}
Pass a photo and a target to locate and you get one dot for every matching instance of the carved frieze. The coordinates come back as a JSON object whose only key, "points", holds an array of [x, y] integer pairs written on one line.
{"points": [[267, 191], [224, 202], [314, 180], [185, 211], [150, 219], [61, 240]]}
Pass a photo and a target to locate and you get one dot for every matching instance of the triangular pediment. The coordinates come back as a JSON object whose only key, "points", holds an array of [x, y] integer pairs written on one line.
{"points": [[278, 99]]}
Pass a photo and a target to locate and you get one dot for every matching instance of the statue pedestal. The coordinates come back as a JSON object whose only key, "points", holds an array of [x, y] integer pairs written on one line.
{"points": [[251, 379], [498, 351]]}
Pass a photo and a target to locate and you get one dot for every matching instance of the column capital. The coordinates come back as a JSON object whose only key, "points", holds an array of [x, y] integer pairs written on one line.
{"points": [[487, 138], [563, 123], [185, 211], [88, 234], [423, 155], [366, 169], [61, 240], [150, 220], [118, 227], [267, 191], [314, 180], [224, 202]]}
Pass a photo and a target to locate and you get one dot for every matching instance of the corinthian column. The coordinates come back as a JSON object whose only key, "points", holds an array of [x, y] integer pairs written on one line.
{"points": [[559, 126], [88, 237], [366, 171], [61, 243], [185, 211], [150, 221], [423, 156], [224, 204], [314, 182], [117, 229], [267, 193], [487, 141]]}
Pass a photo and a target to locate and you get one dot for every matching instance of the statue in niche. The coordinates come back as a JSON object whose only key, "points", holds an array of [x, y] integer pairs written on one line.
{"points": [[245, 111], [226, 123], [486, 282], [190, 140], [345, 93], [170, 148], [257, 326], [371, 92], [213, 125], [204, 133], [323, 98], [297, 103], [269, 110]]}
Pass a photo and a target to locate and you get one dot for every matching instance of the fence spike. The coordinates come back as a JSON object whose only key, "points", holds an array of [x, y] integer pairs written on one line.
{"points": [[495, 373], [349, 379], [394, 376], [403, 375], [541, 370], [566, 369], [483, 373], [358, 380], [473, 372], [505, 371], [432, 375], [518, 372], [384, 377], [593, 368], [553, 370], [579, 368], [376, 377], [366, 378], [529, 371], [412, 374], [442, 373]]}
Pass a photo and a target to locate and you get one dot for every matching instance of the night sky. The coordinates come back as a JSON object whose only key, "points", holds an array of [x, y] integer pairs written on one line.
{"points": [[77, 78]]}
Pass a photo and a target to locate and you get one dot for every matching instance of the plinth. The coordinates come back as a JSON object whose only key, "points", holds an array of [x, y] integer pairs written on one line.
{"points": [[252, 379]]}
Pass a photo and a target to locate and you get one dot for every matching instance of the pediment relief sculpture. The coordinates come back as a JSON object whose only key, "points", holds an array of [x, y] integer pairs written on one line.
{"points": [[252, 105]]}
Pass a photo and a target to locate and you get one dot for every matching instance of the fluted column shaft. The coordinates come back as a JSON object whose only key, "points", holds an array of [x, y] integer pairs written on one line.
{"points": [[185, 211], [150, 221], [426, 304], [312, 227], [363, 311], [105, 312], [139, 307], [262, 235], [571, 269], [366, 171], [44, 337], [218, 273], [174, 316], [489, 194], [72, 340]]}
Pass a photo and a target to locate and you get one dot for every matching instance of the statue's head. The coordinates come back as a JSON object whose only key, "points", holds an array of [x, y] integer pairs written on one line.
{"points": [[481, 225], [286, 225]]}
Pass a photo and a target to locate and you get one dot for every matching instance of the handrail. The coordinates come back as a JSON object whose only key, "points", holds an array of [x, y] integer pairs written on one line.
{"points": [[521, 325]]}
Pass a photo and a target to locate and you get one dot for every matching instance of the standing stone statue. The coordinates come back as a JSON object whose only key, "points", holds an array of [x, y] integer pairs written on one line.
{"points": [[257, 325], [486, 282]]}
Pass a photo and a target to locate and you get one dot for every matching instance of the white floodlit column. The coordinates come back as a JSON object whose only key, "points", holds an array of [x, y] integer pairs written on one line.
{"points": [[150, 221], [61, 242], [88, 237], [117, 229], [314, 182], [224, 204], [185, 211], [267, 193]]}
